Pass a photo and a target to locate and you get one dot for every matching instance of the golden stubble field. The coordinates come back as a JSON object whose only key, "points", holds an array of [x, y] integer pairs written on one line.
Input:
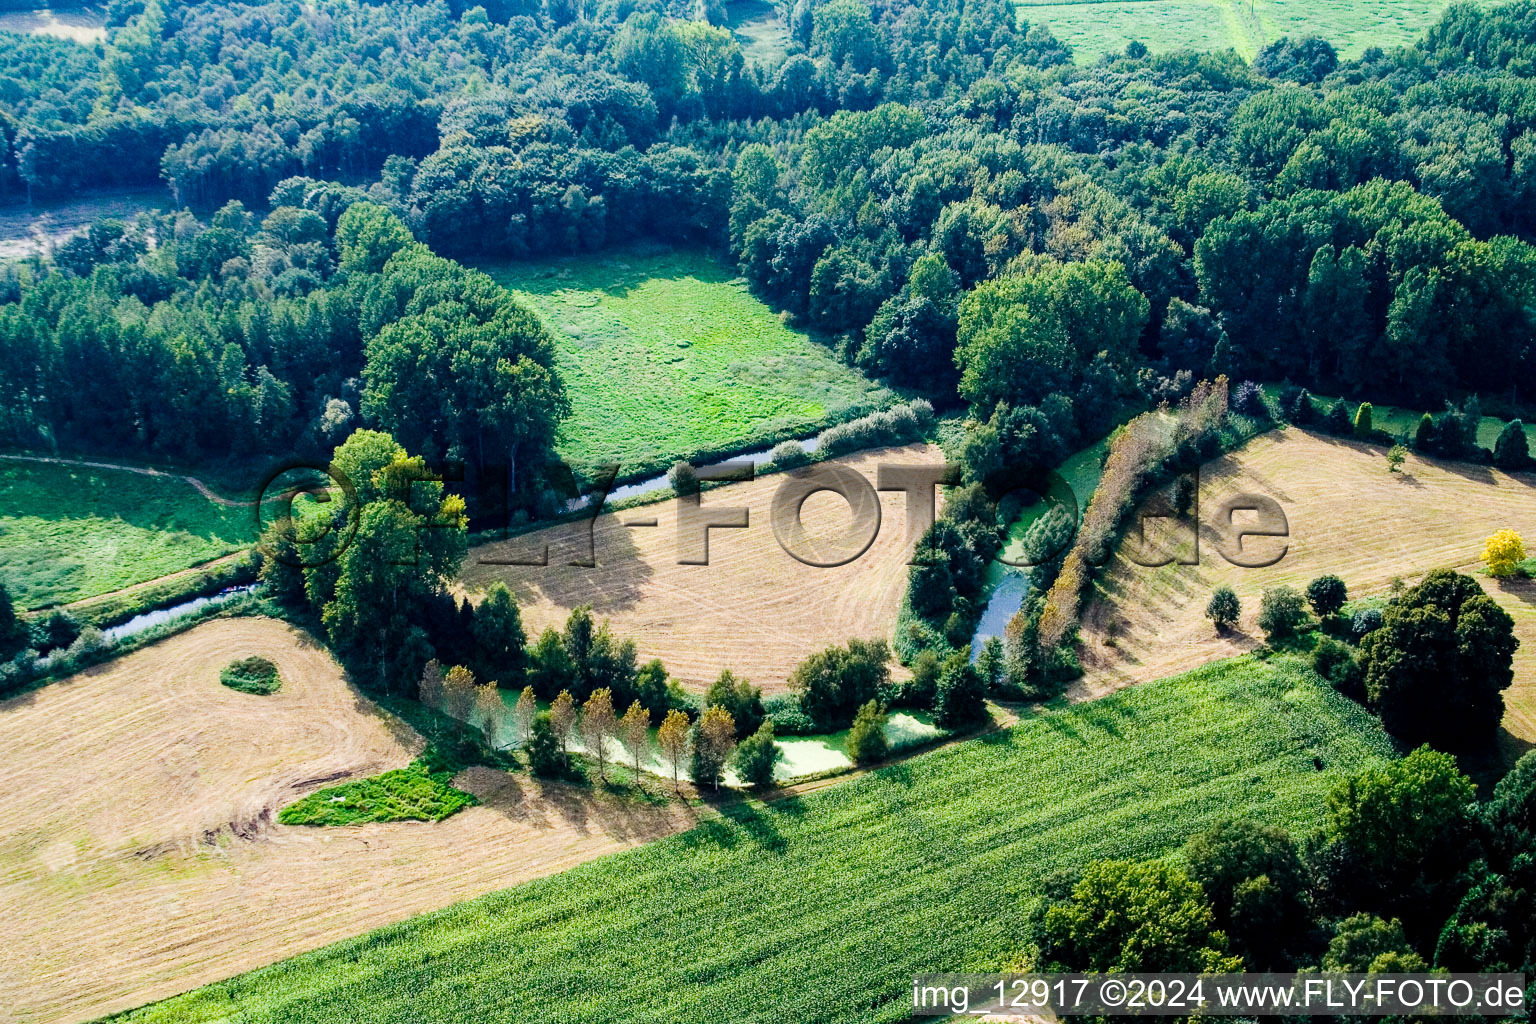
{"points": [[139, 855], [753, 609], [1348, 516]]}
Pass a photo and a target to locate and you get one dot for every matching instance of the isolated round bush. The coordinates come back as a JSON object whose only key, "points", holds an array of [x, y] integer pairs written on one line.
{"points": [[1224, 608], [251, 675], [1327, 594], [789, 455], [683, 477], [1281, 613]]}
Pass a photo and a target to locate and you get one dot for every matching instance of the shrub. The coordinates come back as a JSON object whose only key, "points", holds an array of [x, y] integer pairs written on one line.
{"points": [[1396, 456], [251, 675], [866, 740], [919, 691], [739, 697], [1336, 663], [756, 758], [1337, 421], [1364, 621], [1503, 552], [1281, 613], [1296, 406], [899, 425], [1223, 609], [1424, 435], [544, 754], [961, 698], [1363, 427], [1512, 450], [683, 477], [1326, 595], [1248, 399], [788, 718], [833, 684], [58, 630], [789, 455]]}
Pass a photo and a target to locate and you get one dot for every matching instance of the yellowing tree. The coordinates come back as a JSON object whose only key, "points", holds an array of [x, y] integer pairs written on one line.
{"points": [[523, 715], [672, 738], [562, 716], [598, 727], [1503, 552], [634, 730]]}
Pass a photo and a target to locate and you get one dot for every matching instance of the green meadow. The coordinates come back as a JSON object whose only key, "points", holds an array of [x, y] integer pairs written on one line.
{"points": [[823, 907], [666, 355], [68, 533], [1094, 28]]}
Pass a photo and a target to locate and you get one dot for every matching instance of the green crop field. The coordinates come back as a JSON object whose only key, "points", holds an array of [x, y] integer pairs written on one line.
{"points": [[822, 907], [1093, 28], [666, 355], [68, 533]]}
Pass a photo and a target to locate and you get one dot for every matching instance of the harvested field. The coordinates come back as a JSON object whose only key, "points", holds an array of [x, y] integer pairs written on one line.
{"points": [[1348, 516], [752, 609], [139, 854]]}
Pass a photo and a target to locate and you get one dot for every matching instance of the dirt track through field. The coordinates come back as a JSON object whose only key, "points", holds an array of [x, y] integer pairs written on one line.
{"points": [[753, 609], [139, 856], [197, 485], [1348, 516]]}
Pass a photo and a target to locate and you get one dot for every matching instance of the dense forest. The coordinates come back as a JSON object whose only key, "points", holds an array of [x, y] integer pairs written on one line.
{"points": [[935, 185]]}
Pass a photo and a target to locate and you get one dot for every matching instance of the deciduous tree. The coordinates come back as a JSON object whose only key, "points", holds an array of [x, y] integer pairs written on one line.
{"points": [[674, 740]]}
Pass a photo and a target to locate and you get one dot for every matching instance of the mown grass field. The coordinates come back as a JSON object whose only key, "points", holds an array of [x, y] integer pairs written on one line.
{"points": [[1348, 516], [666, 355], [822, 907], [753, 609], [1093, 28], [142, 853], [69, 533]]}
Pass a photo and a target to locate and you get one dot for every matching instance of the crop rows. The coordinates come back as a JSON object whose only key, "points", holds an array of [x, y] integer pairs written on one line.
{"points": [[822, 908]]}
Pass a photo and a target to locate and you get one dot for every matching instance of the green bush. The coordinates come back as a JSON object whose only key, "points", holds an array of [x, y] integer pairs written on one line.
{"points": [[866, 740], [544, 754], [251, 675], [1223, 609], [1336, 663], [1327, 595], [961, 699], [1281, 613], [756, 757], [788, 718]]}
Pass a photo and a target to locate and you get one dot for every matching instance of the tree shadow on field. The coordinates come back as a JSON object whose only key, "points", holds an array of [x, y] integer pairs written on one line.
{"points": [[614, 584], [1521, 589], [546, 804], [1473, 471]]}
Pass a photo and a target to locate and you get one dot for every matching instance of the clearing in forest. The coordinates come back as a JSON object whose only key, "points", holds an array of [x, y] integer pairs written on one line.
{"points": [[140, 856], [821, 908], [753, 609], [73, 532], [1097, 27], [1348, 516], [666, 354]]}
